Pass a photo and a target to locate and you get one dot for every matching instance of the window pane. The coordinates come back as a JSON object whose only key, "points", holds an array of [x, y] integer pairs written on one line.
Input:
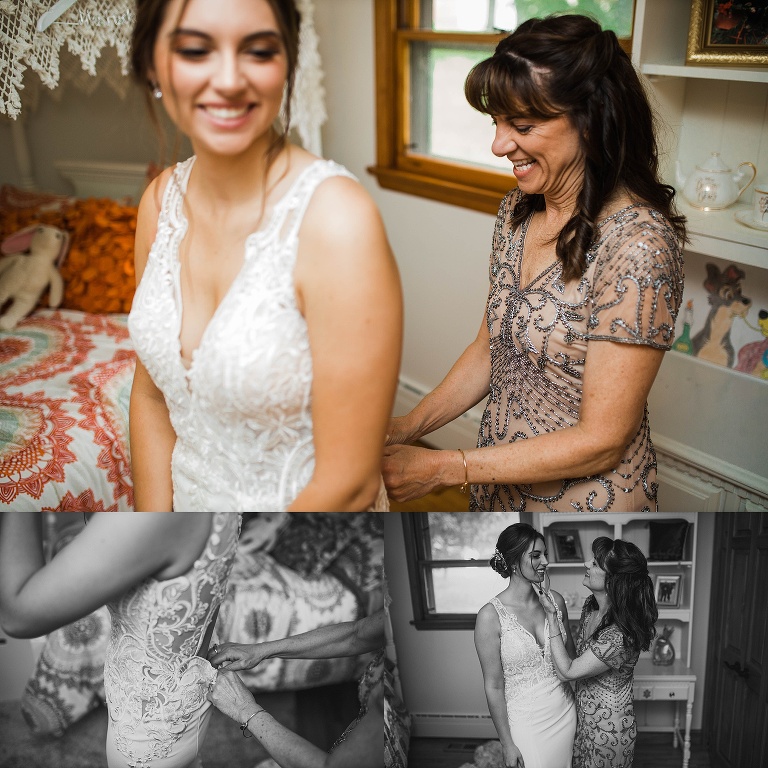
{"points": [[463, 536], [487, 15], [443, 125], [465, 590]]}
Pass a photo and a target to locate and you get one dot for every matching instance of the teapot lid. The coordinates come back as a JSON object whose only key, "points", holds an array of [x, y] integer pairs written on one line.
{"points": [[714, 164]]}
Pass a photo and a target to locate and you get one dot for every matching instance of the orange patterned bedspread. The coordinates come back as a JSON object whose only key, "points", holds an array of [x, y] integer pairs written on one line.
{"points": [[65, 381]]}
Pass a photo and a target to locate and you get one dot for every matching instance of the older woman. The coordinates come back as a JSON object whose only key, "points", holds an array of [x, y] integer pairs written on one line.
{"points": [[586, 278], [617, 622]]}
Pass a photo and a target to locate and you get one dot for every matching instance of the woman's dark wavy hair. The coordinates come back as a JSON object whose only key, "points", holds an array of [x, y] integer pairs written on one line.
{"points": [[631, 602], [150, 15], [512, 543], [567, 65]]}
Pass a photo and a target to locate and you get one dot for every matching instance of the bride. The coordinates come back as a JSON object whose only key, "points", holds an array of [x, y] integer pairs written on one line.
{"points": [[533, 711]]}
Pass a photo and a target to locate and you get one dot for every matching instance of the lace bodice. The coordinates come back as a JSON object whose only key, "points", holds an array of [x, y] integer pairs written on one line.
{"points": [[527, 666], [151, 672], [242, 410]]}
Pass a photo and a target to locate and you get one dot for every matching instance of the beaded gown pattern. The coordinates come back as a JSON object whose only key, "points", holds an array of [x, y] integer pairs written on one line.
{"points": [[540, 707], [539, 336], [606, 729], [242, 410], [154, 682]]}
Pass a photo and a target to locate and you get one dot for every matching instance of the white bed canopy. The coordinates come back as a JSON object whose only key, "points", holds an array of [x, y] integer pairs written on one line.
{"points": [[33, 32]]}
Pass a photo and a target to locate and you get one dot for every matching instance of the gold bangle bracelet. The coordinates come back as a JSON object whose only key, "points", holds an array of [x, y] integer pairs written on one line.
{"points": [[244, 727], [465, 484]]}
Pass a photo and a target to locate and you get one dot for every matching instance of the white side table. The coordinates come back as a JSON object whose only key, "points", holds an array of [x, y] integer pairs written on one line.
{"points": [[673, 683]]}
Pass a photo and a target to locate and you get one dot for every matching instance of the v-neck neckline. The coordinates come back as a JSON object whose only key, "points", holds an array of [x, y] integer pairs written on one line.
{"points": [[513, 616], [187, 367]]}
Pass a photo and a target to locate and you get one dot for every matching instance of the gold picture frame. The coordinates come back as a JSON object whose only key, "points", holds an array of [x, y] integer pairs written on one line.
{"points": [[732, 37]]}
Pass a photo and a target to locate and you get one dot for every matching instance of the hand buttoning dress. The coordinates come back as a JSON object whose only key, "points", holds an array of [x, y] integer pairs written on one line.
{"points": [[242, 411], [155, 683], [606, 730], [540, 710]]}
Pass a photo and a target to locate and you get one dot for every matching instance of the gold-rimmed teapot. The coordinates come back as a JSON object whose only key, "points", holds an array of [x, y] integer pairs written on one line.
{"points": [[713, 185]]}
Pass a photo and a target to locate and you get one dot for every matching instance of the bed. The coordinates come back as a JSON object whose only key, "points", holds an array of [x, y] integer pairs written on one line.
{"points": [[66, 373], [292, 573]]}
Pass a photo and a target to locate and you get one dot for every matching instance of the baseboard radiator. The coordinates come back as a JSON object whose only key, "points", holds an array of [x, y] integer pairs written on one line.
{"points": [[452, 726], [460, 433]]}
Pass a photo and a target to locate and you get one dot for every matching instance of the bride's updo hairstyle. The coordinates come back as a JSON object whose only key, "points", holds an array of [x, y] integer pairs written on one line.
{"points": [[632, 605], [511, 546]]}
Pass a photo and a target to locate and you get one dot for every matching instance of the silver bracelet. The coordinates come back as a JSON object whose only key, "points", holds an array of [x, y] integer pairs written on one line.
{"points": [[244, 727]]}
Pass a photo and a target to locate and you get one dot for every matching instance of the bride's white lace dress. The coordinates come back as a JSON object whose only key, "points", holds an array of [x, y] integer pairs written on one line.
{"points": [[155, 683], [242, 410], [540, 707]]}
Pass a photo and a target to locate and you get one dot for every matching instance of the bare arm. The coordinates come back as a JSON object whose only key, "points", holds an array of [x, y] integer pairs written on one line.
{"points": [[362, 748], [349, 638], [488, 646], [114, 552], [152, 437], [464, 386], [568, 665], [617, 380], [348, 290]]}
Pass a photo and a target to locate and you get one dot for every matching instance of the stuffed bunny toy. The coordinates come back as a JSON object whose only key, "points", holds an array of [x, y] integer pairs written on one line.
{"points": [[29, 266]]}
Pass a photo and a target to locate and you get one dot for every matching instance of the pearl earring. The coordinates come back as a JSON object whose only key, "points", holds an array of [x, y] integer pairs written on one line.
{"points": [[157, 93]]}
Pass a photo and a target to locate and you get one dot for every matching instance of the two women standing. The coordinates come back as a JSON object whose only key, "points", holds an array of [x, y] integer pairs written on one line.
{"points": [[528, 656]]}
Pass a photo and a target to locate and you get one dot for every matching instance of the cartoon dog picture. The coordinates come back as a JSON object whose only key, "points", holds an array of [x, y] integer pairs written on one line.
{"points": [[753, 357], [713, 341]]}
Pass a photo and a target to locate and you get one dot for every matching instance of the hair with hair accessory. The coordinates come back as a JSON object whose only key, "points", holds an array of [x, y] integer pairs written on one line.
{"points": [[567, 65], [628, 585], [512, 543]]}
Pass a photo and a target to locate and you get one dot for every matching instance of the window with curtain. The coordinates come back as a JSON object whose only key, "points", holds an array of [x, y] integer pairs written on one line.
{"points": [[448, 554], [430, 142]]}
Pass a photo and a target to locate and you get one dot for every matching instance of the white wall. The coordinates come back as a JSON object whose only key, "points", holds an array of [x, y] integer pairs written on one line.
{"points": [[439, 669]]}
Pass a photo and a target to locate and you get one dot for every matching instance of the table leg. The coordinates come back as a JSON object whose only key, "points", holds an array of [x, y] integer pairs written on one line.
{"points": [[676, 726], [687, 743]]}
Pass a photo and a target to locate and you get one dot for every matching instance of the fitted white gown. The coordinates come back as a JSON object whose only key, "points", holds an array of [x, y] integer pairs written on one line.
{"points": [[242, 410], [540, 707]]}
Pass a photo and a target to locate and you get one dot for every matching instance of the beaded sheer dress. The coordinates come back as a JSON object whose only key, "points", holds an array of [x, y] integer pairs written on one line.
{"points": [[606, 729], [540, 708], [155, 683], [630, 293], [242, 409]]}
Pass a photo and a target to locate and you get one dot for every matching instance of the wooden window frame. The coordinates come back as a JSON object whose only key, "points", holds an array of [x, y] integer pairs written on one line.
{"points": [[465, 185], [417, 550]]}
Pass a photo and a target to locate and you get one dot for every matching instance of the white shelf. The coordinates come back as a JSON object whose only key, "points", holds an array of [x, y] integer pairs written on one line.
{"points": [[678, 69], [718, 234]]}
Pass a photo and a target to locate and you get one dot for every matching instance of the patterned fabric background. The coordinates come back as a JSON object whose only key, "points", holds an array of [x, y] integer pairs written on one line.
{"points": [[65, 380]]}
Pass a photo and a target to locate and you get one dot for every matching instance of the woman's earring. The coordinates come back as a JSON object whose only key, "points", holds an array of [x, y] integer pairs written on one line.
{"points": [[157, 93]]}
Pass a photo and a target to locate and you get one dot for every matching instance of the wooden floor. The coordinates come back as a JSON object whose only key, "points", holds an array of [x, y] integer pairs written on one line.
{"points": [[445, 500], [652, 750]]}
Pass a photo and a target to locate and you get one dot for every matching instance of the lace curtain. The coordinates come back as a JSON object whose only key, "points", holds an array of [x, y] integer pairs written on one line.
{"points": [[89, 27]]}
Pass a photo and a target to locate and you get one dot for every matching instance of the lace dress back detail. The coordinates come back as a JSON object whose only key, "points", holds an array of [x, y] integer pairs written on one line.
{"points": [[242, 410], [153, 679], [539, 335]]}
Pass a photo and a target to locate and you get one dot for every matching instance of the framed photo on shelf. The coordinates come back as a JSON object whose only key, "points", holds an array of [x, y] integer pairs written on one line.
{"points": [[567, 545], [731, 34], [667, 591]]}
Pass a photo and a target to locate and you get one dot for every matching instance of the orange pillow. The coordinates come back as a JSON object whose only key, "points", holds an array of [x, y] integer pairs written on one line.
{"points": [[98, 271]]}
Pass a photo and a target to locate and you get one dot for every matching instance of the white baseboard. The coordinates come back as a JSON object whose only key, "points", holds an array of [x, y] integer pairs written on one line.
{"points": [[449, 726], [460, 433]]}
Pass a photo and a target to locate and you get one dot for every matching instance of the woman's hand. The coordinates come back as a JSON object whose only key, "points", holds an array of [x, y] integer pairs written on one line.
{"points": [[232, 697], [546, 602], [399, 431], [236, 656], [409, 472], [512, 757]]}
